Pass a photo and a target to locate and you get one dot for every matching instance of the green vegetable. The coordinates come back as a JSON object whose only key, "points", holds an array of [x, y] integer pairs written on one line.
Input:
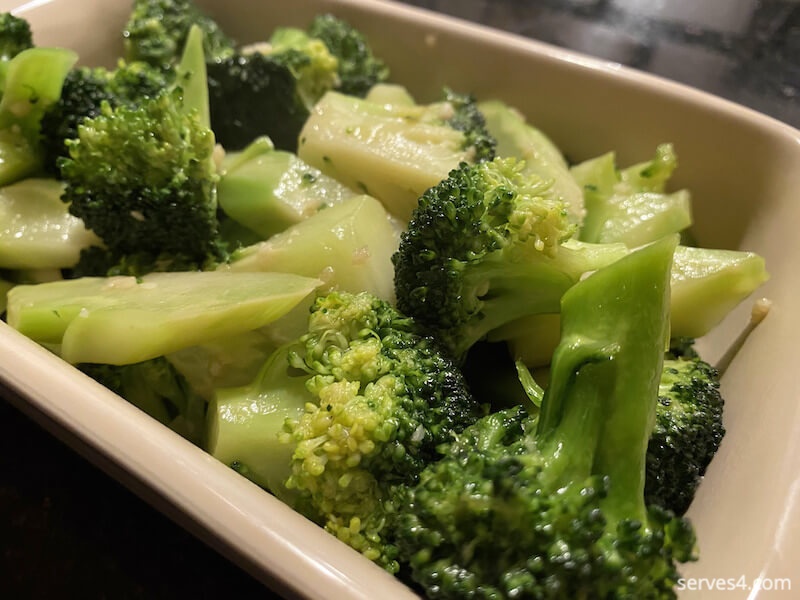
{"points": [[708, 283], [268, 190], [554, 507], [393, 152], [488, 245], [37, 230], [155, 387], [157, 30], [33, 81], [123, 320], [518, 138], [152, 200], [15, 36], [369, 400], [84, 91], [687, 433], [348, 246]]}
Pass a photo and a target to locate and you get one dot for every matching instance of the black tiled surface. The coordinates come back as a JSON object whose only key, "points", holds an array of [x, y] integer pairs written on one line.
{"points": [[69, 531]]}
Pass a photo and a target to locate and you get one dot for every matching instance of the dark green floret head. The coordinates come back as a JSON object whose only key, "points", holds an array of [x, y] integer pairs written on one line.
{"points": [[386, 398], [687, 434], [474, 245], [143, 180], [468, 119], [358, 69], [15, 36], [156, 32], [84, 91]]}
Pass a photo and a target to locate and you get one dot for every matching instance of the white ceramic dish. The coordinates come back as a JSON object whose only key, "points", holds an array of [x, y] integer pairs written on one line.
{"points": [[744, 171]]}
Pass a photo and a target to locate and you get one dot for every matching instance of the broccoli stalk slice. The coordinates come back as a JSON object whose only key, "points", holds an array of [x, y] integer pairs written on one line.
{"points": [[192, 79], [621, 344], [707, 284], [349, 246], [269, 190], [38, 231], [33, 82], [391, 152], [246, 424], [630, 205], [123, 320]]}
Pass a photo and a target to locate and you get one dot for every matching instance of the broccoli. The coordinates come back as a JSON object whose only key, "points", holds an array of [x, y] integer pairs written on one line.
{"points": [[155, 387], [143, 180], [268, 190], [630, 205], [38, 232], [269, 88], [687, 433], [157, 30], [84, 91], [349, 246], [125, 319], [368, 399], [518, 138], [32, 83], [487, 245], [251, 95], [553, 507], [15, 36], [394, 152], [358, 68]]}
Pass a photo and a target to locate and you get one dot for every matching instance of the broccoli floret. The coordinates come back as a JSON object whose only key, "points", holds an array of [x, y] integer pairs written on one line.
{"points": [[156, 32], [84, 91], [487, 245], [358, 69], [553, 507], [394, 152], [143, 180], [251, 95], [15, 36], [687, 433], [368, 398], [155, 387]]}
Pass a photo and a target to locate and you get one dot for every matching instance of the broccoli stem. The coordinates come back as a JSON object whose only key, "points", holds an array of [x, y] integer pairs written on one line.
{"points": [[606, 371]]}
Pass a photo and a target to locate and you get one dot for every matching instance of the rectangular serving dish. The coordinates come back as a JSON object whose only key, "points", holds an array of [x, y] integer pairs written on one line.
{"points": [[743, 169]]}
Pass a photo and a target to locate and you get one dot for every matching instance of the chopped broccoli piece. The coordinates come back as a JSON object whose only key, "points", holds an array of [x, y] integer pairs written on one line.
{"points": [[268, 190], [155, 387], [687, 434], [518, 138], [630, 205], [152, 197], [369, 400], [15, 36], [33, 81], [358, 68], [308, 58], [253, 95], [553, 507], [708, 283], [349, 246], [393, 152], [38, 232], [84, 91], [156, 32], [487, 245], [124, 320]]}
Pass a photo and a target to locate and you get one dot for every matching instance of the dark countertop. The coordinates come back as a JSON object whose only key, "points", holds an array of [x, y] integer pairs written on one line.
{"points": [[69, 531]]}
